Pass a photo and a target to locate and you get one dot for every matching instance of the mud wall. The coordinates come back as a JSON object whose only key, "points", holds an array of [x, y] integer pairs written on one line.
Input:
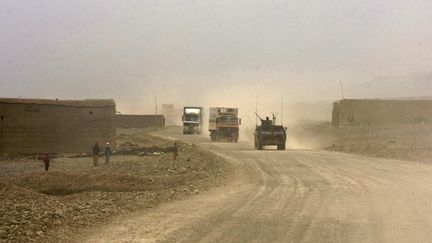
{"points": [[139, 121], [381, 112], [39, 128]]}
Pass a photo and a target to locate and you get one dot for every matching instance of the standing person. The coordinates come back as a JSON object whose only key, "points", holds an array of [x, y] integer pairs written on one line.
{"points": [[46, 161], [96, 150], [175, 151], [107, 153]]}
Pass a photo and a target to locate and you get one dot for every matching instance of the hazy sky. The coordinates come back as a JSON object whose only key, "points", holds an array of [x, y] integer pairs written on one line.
{"points": [[207, 51]]}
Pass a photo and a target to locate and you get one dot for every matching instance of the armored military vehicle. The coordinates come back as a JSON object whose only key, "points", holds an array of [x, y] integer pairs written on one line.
{"points": [[269, 134]]}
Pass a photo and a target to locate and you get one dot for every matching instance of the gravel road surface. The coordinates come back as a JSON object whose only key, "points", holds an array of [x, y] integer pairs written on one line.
{"points": [[291, 196]]}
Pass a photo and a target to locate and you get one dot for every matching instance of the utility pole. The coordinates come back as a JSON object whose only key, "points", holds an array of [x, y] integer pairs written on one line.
{"points": [[281, 110], [155, 101], [156, 117], [256, 110], [342, 90]]}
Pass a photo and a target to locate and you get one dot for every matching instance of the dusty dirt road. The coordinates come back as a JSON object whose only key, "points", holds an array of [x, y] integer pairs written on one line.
{"points": [[292, 196]]}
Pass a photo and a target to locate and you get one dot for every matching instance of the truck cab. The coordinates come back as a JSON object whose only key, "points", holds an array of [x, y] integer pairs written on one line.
{"points": [[192, 120]]}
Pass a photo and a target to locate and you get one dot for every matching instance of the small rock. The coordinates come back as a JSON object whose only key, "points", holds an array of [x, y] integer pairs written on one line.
{"points": [[13, 221], [59, 212]]}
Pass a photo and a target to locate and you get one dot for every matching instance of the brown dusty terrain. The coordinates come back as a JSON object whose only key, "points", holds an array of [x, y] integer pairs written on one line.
{"points": [[297, 195], [73, 196], [403, 142]]}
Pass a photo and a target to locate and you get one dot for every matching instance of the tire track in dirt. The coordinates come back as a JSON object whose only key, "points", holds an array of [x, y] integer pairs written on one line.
{"points": [[294, 196]]}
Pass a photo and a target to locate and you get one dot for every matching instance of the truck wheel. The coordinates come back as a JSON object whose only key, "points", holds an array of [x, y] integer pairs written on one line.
{"points": [[259, 144]]}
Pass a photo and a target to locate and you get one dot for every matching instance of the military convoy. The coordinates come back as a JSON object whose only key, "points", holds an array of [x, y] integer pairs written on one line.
{"points": [[269, 134], [224, 125]]}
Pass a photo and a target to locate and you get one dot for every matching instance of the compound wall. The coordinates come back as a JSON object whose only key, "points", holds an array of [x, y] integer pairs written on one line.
{"points": [[381, 112], [139, 121], [39, 126]]}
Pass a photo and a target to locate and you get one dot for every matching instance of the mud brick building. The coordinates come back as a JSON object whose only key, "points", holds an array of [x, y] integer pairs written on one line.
{"points": [[381, 112], [139, 121], [55, 126]]}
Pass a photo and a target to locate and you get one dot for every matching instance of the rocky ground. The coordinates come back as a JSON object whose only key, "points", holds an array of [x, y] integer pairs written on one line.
{"points": [[404, 142], [73, 196]]}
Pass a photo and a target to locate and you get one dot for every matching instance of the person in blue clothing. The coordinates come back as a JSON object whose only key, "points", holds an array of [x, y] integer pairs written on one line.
{"points": [[107, 153]]}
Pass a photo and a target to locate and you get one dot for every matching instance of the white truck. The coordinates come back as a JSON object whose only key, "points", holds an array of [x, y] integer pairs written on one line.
{"points": [[192, 120], [224, 124]]}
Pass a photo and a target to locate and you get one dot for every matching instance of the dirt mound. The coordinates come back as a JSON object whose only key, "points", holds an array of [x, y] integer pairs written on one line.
{"points": [[25, 214], [52, 206], [136, 149], [405, 142]]}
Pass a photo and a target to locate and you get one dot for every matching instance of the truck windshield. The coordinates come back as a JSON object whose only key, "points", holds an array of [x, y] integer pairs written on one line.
{"points": [[228, 120], [191, 118]]}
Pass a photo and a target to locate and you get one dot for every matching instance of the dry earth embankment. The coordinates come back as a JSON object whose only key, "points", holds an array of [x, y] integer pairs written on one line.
{"points": [[73, 196]]}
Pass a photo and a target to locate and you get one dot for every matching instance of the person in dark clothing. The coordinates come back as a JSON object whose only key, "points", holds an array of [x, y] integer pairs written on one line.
{"points": [[175, 151], [46, 161], [96, 151], [107, 153]]}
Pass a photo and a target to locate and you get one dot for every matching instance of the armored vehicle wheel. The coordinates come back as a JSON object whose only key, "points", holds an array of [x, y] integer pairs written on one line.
{"points": [[281, 146]]}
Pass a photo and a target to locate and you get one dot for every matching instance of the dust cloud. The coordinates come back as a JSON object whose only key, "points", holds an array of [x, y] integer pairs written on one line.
{"points": [[267, 102], [217, 53]]}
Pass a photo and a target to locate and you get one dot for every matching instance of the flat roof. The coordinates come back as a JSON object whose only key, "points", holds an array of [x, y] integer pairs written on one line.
{"points": [[75, 103]]}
